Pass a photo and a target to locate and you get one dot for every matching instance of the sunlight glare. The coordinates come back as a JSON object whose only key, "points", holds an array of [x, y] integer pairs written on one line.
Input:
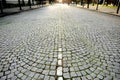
{"points": [[60, 1]]}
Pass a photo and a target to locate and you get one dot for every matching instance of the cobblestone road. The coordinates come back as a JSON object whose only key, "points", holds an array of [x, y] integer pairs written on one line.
{"points": [[60, 42]]}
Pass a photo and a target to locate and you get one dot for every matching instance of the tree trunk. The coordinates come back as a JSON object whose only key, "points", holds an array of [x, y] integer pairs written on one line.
{"points": [[103, 2], [32, 2], [93, 2], [81, 2], [29, 3], [23, 2], [19, 4], [106, 2], [1, 6], [97, 5], [88, 1], [4, 3], [118, 7]]}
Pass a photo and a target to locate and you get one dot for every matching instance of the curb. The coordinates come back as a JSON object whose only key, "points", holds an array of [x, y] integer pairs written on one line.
{"points": [[16, 12]]}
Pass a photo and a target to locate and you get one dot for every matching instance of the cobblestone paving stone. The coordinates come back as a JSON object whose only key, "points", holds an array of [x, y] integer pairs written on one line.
{"points": [[87, 43]]}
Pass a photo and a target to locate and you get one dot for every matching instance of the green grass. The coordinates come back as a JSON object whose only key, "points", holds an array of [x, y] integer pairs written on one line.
{"points": [[110, 6]]}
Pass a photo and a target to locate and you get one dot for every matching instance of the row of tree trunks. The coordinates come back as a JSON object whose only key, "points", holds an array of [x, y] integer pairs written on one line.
{"points": [[29, 3], [93, 2], [3, 4]]}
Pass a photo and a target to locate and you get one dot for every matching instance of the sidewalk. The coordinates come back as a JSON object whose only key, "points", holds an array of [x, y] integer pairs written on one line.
{"points": [[10, 11], [102, 8]]}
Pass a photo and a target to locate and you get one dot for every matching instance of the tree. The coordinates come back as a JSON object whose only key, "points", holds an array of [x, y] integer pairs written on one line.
{"points": [[114, 2], [1, 6], [97, 4], [29, 3], [88, 2], [93, 2], [103, 2], [118, 7], [19, 5], [23, 2], [107, 2], [32, 2], [50, 1], [81, 2], [4, 3], [39, 1]]}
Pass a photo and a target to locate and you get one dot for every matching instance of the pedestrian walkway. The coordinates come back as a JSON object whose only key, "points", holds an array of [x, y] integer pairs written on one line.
{"points": [[9, 11], [60, 42], [102, 8]]}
